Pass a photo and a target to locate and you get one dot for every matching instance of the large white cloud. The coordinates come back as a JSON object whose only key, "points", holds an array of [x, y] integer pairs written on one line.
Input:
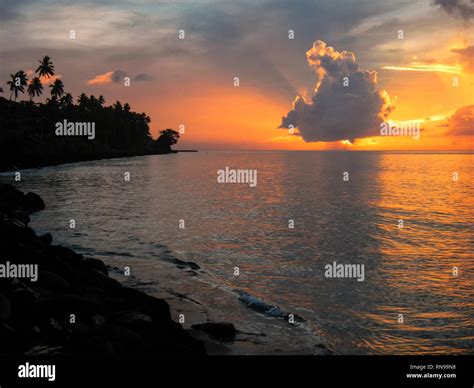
{"points": [[346, 104]]}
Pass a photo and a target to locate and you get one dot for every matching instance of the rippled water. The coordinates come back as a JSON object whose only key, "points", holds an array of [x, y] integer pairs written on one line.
{"points": [[408, 270]]}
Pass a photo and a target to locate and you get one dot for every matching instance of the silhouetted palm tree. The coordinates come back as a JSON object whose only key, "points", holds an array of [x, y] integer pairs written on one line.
{"points": [[67, 100], [93, 102], [17, 83], [83, 101], [35, 88], [46, 67], [57, 89], [131, 132], [118, 106]]}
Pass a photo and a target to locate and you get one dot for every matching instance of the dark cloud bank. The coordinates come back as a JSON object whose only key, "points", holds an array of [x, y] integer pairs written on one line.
{"points": [[461, 123], [458, 8]]}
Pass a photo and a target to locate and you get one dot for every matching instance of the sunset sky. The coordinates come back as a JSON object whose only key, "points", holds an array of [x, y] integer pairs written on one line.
{"points": [[427, 76]]}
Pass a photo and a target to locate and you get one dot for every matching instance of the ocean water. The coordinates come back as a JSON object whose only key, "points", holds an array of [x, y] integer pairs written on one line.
{"points": [[410, 272]]}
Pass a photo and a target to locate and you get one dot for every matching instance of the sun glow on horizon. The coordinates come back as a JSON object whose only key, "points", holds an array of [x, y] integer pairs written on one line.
{"points": [[423, 67]]}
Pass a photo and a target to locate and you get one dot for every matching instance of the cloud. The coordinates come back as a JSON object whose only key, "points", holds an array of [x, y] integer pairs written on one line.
{"points": [[246, 38], [107, 78], [45, 80], [339, 112], [118, 76], [458, 8], [461, 123], [143, 77], [426, 67], [463, 62], [466, 57], [100, 79]]}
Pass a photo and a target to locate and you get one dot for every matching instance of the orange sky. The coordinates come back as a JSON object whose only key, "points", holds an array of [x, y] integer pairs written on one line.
{"points": [[190, 81], [222, 116], [244, 117]]}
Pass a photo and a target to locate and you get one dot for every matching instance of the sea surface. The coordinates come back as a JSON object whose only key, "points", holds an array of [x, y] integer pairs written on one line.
{"points": [[254, 270]]}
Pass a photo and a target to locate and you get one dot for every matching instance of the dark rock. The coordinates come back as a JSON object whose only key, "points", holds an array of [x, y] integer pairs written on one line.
{"points": [[94, 292], [9, 193], [97, 278], [183, 264], [169, 336], [62, 306], [33, 202], [97, 321], [133, 320], [5, 309], [109, 319], [156, 308], [68, 271], [161, 334], [80, 335], [46, 238], [5, 284], [128, 339], [222, 331], [7, 338], [26, 333], [42, 351], [25, 302], [53, 331], [97, 265], [66, 254], [18, 233], [100, 346], [21, 216], [109, 348], [52, 281]]}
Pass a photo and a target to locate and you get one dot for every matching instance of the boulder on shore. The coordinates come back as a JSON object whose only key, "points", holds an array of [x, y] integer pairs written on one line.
{"points": [[222, 331]]}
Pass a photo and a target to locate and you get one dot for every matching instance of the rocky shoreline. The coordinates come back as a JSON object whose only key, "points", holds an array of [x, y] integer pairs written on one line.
{"points": [[74, 308], [7, 165]]}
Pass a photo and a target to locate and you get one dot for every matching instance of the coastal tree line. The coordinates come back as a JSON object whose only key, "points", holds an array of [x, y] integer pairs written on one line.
{"points": [[27, 136]]}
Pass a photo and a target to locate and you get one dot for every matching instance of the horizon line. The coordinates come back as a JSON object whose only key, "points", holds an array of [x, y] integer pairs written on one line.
{"points": [[335, 150]]}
